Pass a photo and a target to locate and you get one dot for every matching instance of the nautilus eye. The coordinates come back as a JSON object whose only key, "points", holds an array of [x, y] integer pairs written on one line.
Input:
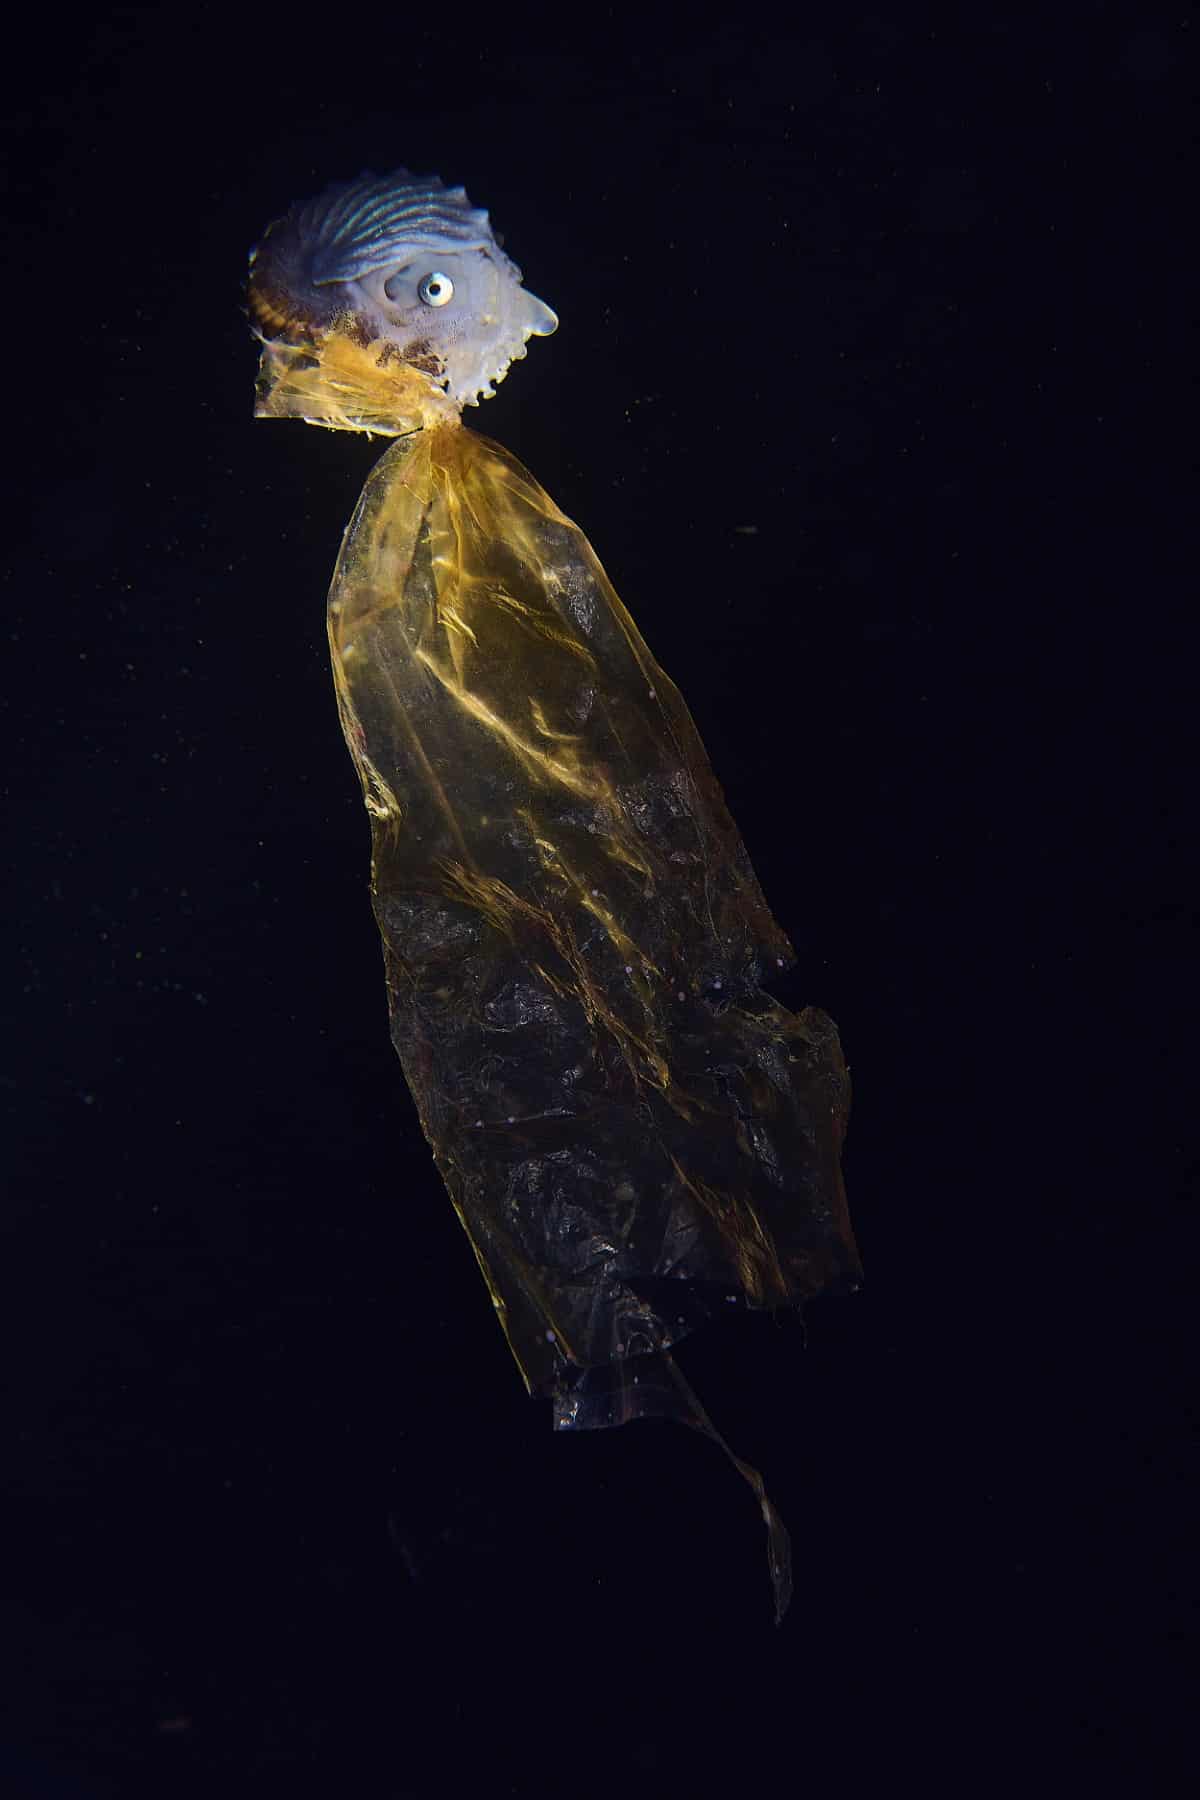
{"points": [[436, 288]]}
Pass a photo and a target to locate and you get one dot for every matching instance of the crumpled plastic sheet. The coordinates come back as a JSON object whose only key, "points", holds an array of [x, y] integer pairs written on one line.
{"points": [[631, 1130]]}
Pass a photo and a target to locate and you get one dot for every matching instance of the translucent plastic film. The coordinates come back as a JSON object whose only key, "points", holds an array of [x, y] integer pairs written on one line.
{"points": [[630, 1128]]}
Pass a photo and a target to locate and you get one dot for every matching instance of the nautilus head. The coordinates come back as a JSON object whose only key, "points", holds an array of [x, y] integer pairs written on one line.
{"points": [[404, 261]]}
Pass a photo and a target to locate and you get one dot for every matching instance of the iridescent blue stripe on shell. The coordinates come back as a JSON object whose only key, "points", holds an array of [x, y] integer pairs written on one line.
{"points": [[350, 230]]}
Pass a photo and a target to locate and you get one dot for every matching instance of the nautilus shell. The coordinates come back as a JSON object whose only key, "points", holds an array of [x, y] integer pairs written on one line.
{"points": [[405, 262]]}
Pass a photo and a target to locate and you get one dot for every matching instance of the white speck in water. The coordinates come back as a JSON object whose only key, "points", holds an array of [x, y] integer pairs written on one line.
{"points": [[550, 1339], [651, 693], [629, 968], [717, 982], [680, 994], [478, 1123]]}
